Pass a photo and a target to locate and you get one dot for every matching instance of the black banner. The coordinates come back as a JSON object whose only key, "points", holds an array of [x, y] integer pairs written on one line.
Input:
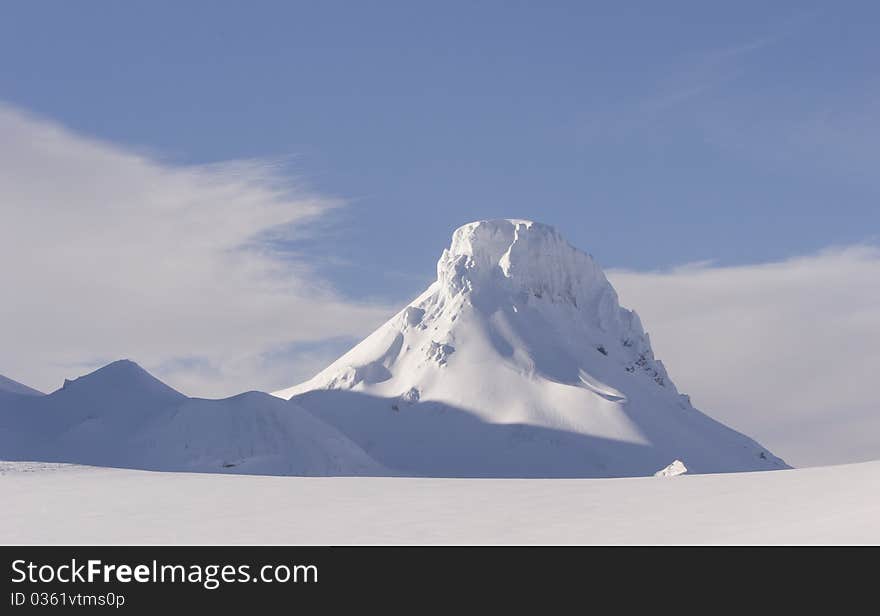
{"points": [[421, 578]]}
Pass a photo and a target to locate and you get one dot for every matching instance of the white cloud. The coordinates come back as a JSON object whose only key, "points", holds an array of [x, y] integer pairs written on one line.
{"points": [[107, 253], [787, 352]]}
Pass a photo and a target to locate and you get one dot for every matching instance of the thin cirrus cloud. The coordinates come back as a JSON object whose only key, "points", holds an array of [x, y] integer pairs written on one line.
{"points": [[108, 253], [787, 352]]}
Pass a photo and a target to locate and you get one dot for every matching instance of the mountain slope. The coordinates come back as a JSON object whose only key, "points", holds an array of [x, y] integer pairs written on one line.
{"points": [[122, 416], [14, 387], [519, 361]]}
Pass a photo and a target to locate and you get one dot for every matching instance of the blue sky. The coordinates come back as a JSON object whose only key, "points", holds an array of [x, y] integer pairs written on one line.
{"points": [[653, 134], [144, 145]]}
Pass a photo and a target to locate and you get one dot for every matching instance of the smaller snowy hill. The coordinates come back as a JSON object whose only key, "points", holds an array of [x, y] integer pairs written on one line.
{"points": [[14, 387], [122, 416]]}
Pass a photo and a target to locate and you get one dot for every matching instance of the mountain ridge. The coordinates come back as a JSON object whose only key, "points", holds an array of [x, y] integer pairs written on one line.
{"points": [[122, 416], [14, 387]]}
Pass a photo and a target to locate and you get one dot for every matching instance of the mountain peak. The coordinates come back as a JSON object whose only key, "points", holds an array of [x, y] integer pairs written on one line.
{"points": [[489, 240], [507, 281], [520, 256], [518, 361], [121, 376], [523, 266]]}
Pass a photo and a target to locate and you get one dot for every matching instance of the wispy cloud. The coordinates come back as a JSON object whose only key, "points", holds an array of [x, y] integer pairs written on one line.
{"points": [[681, 85], [787, 352], [109, 253], [835, 133]]}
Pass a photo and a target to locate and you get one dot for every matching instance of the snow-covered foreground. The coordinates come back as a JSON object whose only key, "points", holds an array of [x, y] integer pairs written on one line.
{"points": [[74, 504]]}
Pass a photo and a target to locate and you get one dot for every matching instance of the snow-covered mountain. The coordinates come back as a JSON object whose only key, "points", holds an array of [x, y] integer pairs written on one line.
{"points": [[122, 416], [519, 362], [9, 386]]}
